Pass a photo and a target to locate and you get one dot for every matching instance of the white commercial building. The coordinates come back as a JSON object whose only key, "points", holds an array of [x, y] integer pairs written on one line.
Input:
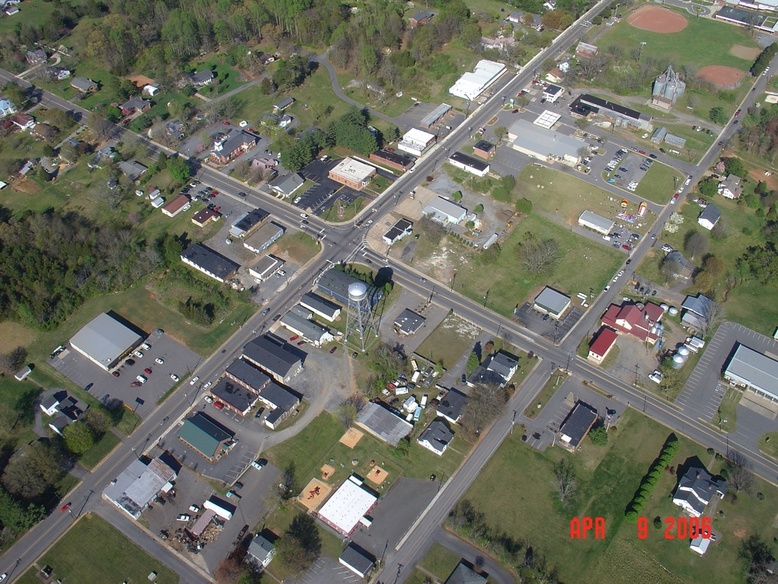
{"points": [[595, 222], [471, 85], [444, 211], [347, 506], [416, 142], [755, 371], [538, 142], [105, 341], [352, 173]]}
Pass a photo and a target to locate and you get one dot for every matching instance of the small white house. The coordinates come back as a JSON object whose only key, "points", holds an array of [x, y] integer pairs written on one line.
{"points": [[700, 545]]}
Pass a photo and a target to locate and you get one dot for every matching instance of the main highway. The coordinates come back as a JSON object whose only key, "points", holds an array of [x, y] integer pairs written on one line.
{"points": [[341, 243]]}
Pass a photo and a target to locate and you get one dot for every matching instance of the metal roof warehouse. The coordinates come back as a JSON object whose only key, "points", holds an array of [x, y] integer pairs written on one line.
{"points": [[756, 371], [105, 340]]}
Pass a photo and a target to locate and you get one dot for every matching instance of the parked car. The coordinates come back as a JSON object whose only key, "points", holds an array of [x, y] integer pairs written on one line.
{"points": [[218, 405], [130, 362], [335, 348], [183, 517], [207, 385], [238, 485], [175, 377], [294, 338], [259, 463], [208, 399], [195, 379], [159, 360], [65, 507], [115, 373], [148, 371], [231, 494], [194, 508], [138, 354], [145, 346], [142, 379], [265, 312]]}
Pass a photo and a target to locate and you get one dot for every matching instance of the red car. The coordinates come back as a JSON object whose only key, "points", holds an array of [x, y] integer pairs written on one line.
{"points": [[294, 338], [147, 371], [627, 247], [135, 384], [226, 123], [65, 507], [301, 343], [218, 405], [335, 348]]}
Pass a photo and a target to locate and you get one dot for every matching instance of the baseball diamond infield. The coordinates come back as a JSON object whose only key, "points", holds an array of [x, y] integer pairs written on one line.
{"points": [[721, 76], [654, 19]]}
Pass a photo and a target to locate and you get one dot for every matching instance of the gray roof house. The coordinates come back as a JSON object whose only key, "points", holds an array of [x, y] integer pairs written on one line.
{"points": [[286, 185], [83, 84], [709, 217], [249, 376], [444, 211], [504, 364], [132, 169], [202, 78], [234, 395], [681, 267], [464, 574], [280, 400], [696, 489], [696, 310], [382, 423], [451, 405], [357, 560], [283, 104], [436, 437], [320, 306], [277, 358], [262, 550]]}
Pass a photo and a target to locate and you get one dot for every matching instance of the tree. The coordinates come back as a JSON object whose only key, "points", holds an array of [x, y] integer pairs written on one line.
{"points": [[704, 281], [78, 437], [482, 407], [98, 420], [179, 169], [565, 483], [288, 485], [598, 435], [695, 244], [718, 115], [712, 315], [472, 363], [300, 545], [14, 360], [539, 256], [32, 471], [708, 186], [350, 408], [740, 476], [100, 126], [758, 556], [734, 166]]}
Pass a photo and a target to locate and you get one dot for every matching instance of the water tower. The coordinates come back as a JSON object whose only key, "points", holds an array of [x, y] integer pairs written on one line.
{"points": [[360, 320]]}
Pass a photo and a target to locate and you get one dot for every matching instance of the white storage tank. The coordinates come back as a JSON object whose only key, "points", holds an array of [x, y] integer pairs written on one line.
{"points": [[673, 311], [678, 361], [683, 350]]}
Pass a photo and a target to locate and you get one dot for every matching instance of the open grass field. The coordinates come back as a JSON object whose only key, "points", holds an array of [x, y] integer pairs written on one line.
{"points": [[727, 413], [768, 444], [703, 42], [299, 247], [319, 444], [228, 78], [340, 214], [552, 385], [94, 455], [564, 196], [439, 561], [659, 183], [16, 411], [608, 477], [13, 334], [449, 341], [111, 557], [33, 13], [507, 284]]}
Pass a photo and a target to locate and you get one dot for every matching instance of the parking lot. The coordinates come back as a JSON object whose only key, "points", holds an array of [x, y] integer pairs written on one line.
{"points": [[555, 330], [177, 359], [628, 170]]}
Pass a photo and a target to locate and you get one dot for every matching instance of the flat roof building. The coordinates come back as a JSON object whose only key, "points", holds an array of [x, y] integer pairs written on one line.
{"points": [[320, 306], [105, 341], [274, 356], [247, 222], [753, 370], [395, 160], [263, 237], [234, 396], [347, 506], [309, 330], [624, 115], [416, 142], [553, 93], [265, 267], [138, 485], [471, 85], [352, 173], [432, 118], [357, 560], [551, 302], [205, 435], [408, 322], [469, 164], [209, 262], [444, 211], [596, 222], [383, 423], [543, 144], [484, 149], [403, 228], [577, 425]]}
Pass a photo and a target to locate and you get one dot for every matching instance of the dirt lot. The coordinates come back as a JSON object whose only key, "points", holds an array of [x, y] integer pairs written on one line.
{"points": [[654, 19], [721, 76]]}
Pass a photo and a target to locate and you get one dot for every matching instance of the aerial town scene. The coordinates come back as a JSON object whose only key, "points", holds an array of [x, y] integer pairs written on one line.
{"points": [[339, 291]]}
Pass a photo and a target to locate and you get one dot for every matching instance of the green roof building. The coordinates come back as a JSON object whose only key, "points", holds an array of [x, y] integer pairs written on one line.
{"points": [[205, 435]]}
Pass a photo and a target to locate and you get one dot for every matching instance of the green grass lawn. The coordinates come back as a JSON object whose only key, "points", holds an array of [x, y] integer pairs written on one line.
{"points": [[768, 444], [449, 341], [549, 389], [340, 214], [94, 455], [608, 477], [33, 13], [298, 246], [564, 196], [658, 184], [704, 41], [507, 284], [111, 557], [17, 411], [727, 413], [228, 78], [439, 561]]}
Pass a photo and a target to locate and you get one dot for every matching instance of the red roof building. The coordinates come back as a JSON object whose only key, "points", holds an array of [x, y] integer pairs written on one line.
{"points": [[602, 344], [634, 319]]}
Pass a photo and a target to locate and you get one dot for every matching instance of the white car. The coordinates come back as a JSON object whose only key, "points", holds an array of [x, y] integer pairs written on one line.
{"points": [[228, 241], [195, 379], [304, 215], [615, 278], [207, 385], [138, 354], [174, 377], [183, 517], [208, 399], [655, 376], [159, 360], [621, 273], [243, 123], [194, 508], [142, 378]]}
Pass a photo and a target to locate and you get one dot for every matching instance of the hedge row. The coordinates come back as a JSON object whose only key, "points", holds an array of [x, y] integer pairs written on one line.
{"points": [[649, 481]]}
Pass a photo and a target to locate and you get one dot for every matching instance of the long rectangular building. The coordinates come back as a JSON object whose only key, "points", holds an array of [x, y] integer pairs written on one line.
{"points": [[209, 262], [755, 371], [595, 222], [592, 104], [472, 84]]}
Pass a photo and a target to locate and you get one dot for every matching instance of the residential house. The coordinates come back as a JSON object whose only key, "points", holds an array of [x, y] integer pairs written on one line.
{"points": [[178, 204], [603, 343], [555, 75], [450, 406], [697, 311], [36, 57], [132, 169], [233, 145], [517, 17], [730, 187], [640, 321], [576, 425], [83, 84], [263, 164], [504, 364], [465, 574], [64, 408], [105, 153], [696, 489], [357, 559], [709, 217], [586, 50], [203, 78], [286, 185], [205, 216], [7, 107], [420, 18], [682, 269], [207, 436], [261, 550], [436, 437], [283, 104], [285, 121], [134, 105], [23, 121], [266, 59]]}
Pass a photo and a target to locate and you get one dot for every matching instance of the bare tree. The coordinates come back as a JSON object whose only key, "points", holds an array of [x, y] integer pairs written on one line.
{"points": [[564, 482], [539, 257], [350, 408], [103, 128], [711, 317], [695, 244], [740, 476], [482, 407]]}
